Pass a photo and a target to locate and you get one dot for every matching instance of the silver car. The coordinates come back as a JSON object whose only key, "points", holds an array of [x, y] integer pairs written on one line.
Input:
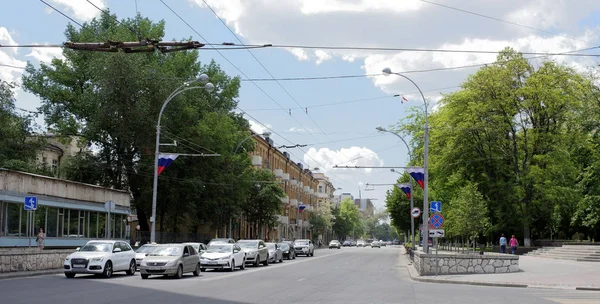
{"points": [[141, 253], [199, 247], [305, 247], [171, 260], [256, 252], [275, 253], [221, 240]]}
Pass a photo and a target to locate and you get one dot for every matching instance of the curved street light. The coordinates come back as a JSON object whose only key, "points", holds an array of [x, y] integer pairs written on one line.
{"points": [[204, 84], [264, 134], [387, 72]]}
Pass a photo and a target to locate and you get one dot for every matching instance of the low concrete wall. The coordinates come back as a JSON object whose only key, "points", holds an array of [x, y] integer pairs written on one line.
{"points": [[465, 263], [14, 260]]}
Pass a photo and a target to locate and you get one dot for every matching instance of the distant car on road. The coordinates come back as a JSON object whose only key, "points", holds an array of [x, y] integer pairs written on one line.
{"points": [[199, 247], [221, 240], [375, 244], [256, 252], [305, 247], [335, 244], [101, 257], [360, 243], [347, 244], [141, 252], [171, 260]]}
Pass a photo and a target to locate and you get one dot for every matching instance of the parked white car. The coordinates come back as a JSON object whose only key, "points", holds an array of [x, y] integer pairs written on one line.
{"points": [[141, 253], [256, 252], [223, 256], [305, 247], [101, 257]]}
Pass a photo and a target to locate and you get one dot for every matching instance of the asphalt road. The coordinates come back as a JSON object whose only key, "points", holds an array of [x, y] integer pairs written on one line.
{"points": [[349, 275]]}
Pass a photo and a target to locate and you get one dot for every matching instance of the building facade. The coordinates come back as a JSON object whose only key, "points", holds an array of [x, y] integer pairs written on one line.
{"points": [[56, 150], [365, 206], [300, 186]]}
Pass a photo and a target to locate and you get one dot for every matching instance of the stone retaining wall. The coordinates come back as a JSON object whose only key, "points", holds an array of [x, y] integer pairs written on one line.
{"points": [[465, 263], [31, 259]]}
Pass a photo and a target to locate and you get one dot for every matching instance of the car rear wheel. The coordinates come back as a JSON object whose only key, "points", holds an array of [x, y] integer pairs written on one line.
{"points": [[179, 273], [144, 276], [69, 275], [108, 270], [132, 268], [197, 270]]}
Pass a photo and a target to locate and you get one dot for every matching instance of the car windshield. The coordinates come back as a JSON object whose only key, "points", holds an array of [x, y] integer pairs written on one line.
{"points": [[284, 246], [145, 249], [166, 251], [97, 247], [219, 248], [248, 244], [301, 243], [271, 246]]}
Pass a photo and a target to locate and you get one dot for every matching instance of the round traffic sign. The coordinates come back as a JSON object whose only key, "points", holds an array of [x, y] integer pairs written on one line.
{"points": [[415, 212], [436, 220]]}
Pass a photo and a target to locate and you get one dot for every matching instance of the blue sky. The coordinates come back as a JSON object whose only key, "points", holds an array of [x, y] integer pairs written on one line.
{"points": [[344, 131]]}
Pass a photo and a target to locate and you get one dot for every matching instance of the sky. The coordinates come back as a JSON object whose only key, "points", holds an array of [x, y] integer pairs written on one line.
{"points": [[334, 118]]}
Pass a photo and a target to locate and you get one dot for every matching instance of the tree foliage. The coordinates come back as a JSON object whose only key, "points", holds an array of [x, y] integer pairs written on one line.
{"points": [[347, 219], [264, 199]]}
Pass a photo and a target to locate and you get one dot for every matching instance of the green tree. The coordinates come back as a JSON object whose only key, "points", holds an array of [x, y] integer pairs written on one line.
{"points": [[321, 219], [468, 215], [113, 99], [264, 199], [347, 220], [17, 147]]}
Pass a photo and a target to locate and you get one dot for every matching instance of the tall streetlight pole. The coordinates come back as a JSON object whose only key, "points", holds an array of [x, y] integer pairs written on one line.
{"points": [[265, 134], [209, 87], [412, 219], [388, 71]]}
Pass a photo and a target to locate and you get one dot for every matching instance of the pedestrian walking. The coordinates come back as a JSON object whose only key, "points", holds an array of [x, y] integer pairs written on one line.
{"points": [[502, 244], [41, 237], [513, 244]]}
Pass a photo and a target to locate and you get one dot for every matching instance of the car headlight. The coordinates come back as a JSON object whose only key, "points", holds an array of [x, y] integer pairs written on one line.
{"points": [[171, 263], [251, 252], [203, 258], [286, 252], [100, 259]]}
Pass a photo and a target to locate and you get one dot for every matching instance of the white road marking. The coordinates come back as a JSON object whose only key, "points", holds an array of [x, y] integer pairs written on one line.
{"points": [[300, 280]]}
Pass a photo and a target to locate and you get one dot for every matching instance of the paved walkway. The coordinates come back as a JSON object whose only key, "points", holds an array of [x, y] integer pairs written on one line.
{"points": [[536, 272]]}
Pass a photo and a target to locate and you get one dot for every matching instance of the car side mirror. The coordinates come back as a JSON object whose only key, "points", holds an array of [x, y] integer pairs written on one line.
{"points": [[78, 248], [117, 250], [186, 254], [261, 246], [235, 251]]}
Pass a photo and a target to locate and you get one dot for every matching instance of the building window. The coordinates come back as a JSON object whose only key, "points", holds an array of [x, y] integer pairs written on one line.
{"points": [[54, 165], [320, 189]]}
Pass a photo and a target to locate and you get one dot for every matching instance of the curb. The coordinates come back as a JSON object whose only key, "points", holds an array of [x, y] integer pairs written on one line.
{"points": [[23, 274], [412, 273]]}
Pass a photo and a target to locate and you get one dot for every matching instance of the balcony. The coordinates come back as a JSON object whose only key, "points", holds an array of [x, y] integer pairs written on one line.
{"points": [[285, 200], [256, 161], [284, 220], [278, 172], [307, 189], [285, 177], [322, 195], [293, 182], [294, 202]]}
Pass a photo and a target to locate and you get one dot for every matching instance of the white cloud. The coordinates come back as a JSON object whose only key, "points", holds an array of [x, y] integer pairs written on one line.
{"points": [[10, 66], [320, 6], [81, 9], [300, 130], [46, 54], [300, 54], [353, 156], [322, 56], [258, 128]]}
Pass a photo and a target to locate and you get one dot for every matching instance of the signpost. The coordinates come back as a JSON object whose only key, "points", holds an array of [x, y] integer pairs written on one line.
{"points": [[436, 221], [109, 206], [415, 212], [435, 207], [30, 206]]}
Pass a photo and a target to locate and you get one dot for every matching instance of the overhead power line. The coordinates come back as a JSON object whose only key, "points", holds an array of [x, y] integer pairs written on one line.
{"points": [[499, 20], [58, 11]]}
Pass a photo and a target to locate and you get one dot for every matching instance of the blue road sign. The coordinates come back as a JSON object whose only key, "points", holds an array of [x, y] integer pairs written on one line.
{"points": [[435, 207], [436, 221], [30, 203]]}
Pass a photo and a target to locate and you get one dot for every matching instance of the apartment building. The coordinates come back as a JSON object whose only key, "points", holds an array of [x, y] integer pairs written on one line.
{"points": [[56, 150], [300, 185]]}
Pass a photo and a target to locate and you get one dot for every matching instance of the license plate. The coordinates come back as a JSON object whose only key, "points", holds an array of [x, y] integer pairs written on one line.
{"points": [[78, 266], [154, 268], [212, 263]]}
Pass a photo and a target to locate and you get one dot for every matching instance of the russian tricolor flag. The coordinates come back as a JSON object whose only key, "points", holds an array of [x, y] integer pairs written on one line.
{"points": [[405, 188], [302, 207], [164, 160], [419, 175]]}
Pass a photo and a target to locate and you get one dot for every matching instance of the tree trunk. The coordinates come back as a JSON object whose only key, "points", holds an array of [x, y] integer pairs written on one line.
{"points": [[526, 235]]}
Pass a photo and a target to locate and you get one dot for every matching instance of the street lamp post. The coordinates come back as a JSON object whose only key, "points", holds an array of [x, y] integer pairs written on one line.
{"points": [[209, 87], [265, 134], [388, 71], [412, 219]]}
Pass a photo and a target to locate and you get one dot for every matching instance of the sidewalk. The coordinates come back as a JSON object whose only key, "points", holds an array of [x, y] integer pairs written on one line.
{"points": [[535, 272], [22, 274]]}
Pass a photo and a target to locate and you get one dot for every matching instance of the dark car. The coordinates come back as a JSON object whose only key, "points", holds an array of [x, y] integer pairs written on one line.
{"points": [[288, 250]]}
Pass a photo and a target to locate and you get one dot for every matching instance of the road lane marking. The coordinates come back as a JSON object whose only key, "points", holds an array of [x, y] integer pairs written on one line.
{"points": [[300, 280], [247, 271]]}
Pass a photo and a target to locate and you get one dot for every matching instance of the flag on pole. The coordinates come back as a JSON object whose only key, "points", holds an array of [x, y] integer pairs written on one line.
{"points": [[404, 98], [301, 208], [164, 160], [405, 188], [418, 174]]}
